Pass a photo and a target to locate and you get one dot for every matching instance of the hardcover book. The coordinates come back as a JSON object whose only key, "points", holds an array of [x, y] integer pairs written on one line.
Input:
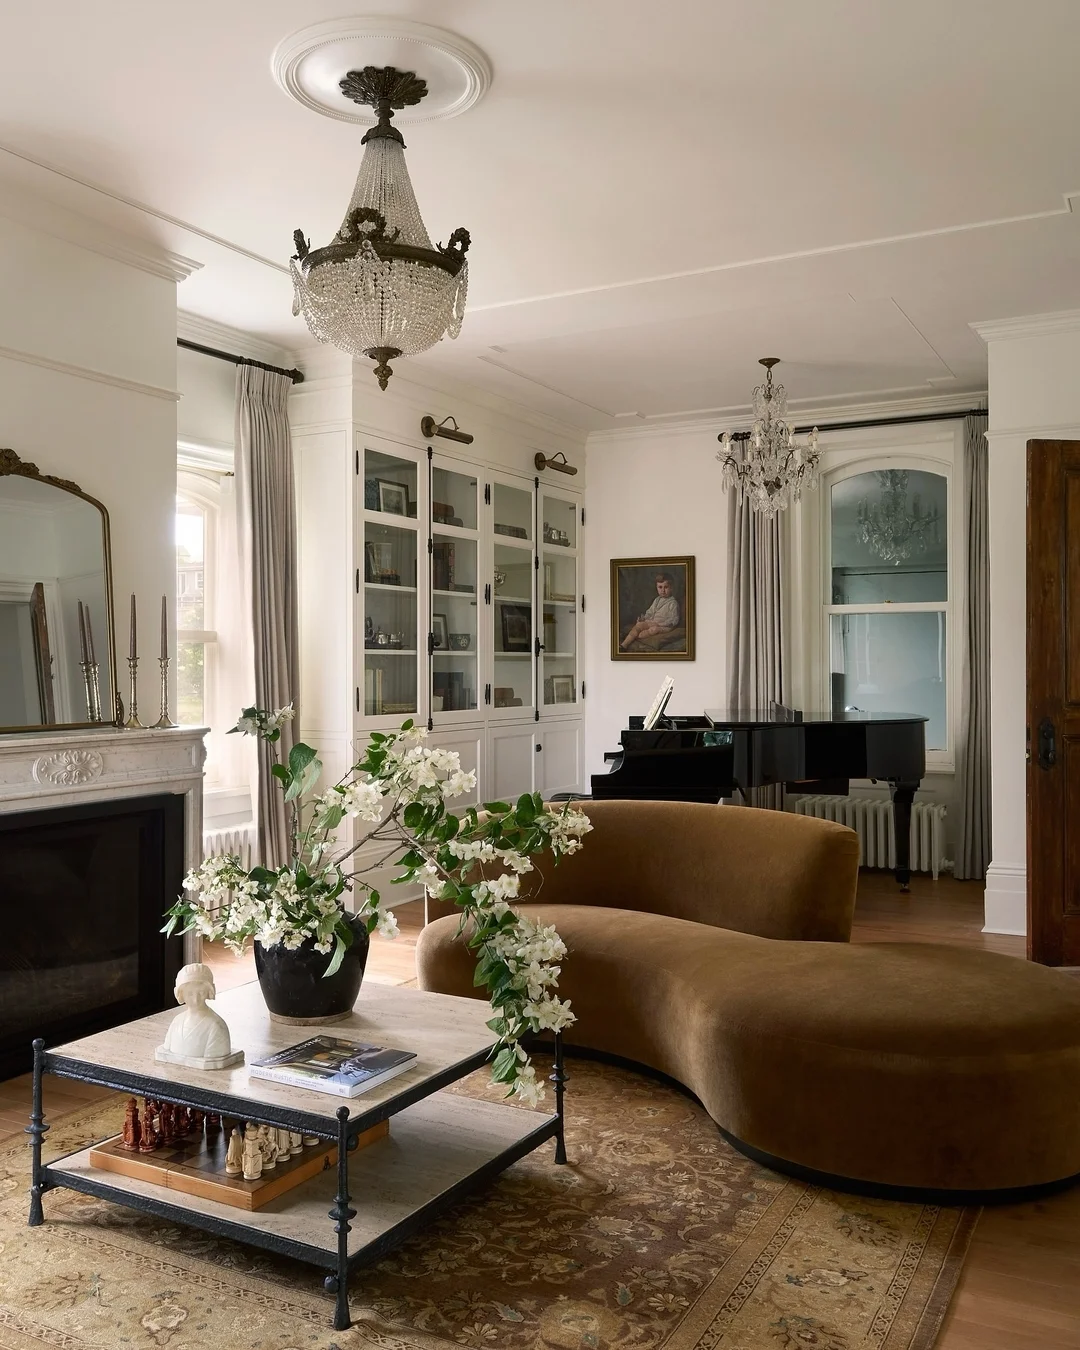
{"points": [[328, 1064]]}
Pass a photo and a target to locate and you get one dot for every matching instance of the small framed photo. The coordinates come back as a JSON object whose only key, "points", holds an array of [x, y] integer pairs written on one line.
{"points": [[393, 497], [652, 609], [562, 689], [440, 633], [379, 557], [516, 628]]}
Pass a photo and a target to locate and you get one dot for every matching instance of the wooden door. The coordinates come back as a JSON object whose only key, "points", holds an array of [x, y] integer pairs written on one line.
{"points": [[1053, 701]]}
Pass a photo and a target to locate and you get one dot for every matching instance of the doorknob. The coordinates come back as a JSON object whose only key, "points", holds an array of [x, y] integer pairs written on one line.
{"points": [[1047, 753]]}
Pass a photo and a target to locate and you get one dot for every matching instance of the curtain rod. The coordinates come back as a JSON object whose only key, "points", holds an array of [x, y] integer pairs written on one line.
{"points": [[877, 422], [297, 376]]}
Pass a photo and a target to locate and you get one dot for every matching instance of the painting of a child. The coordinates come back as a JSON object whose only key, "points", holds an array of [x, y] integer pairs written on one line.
{"points": [[652, 604]]}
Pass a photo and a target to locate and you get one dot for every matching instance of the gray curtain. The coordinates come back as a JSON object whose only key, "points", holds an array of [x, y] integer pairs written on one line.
{"points": [[757, 604], [265, 497], [973, 751]]}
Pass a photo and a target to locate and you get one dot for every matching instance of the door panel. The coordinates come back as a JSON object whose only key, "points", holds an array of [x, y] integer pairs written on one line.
{"points": [[559, 763], [1053, 701], [513, 750]]}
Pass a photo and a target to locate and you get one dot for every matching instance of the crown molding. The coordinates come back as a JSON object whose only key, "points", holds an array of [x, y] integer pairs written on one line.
{"points": [[1028, 326], [216, 456], [799, 412], [210, 333], [83, 231], [87, 373], [1049, 431]]}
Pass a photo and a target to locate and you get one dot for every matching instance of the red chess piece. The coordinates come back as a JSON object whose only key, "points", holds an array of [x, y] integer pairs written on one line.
{"points": [[195, 1121], [213, 1122], [151, 1137], [132, 1127], [167, 1122], [181, 1121]]}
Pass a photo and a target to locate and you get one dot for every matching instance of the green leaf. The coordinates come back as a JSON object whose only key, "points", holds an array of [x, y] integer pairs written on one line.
{"points": [[408, 725], [305, 768], [526, 809], [336, 958], [496, 809], [333, 817], [504, 1070], [263, 876], [281, 772], [413, 816]]}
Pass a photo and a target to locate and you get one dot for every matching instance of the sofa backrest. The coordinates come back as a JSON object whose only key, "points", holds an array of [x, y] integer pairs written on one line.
{"points": [[769, 873]]}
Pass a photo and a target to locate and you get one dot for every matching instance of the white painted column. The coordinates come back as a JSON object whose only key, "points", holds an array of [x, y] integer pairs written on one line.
{"points": [[1034, 384]]}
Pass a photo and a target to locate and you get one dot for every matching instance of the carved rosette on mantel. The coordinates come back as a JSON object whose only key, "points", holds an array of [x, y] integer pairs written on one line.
{"points": [[41, 770]]}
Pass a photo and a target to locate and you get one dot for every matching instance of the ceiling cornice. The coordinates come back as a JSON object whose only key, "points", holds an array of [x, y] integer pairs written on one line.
{"points": [[210, 333], [741, 419], [85, 232], [215, 456], [1029, 325]]}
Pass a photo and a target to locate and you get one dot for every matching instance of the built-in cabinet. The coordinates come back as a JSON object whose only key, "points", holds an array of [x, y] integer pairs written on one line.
{"points": [[469, 613]]}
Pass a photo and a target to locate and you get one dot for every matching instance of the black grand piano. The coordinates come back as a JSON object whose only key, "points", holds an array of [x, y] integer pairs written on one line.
{"points": [[702, 759]]}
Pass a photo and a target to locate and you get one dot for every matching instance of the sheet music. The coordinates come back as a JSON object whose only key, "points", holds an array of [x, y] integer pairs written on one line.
{"points": [[660, 702]]}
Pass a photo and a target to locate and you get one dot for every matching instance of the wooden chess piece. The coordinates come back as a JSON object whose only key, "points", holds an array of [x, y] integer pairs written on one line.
{"points": [[284, 1144], [268, 1143], [311, 1141], [252, 1154], [132, 1127], [151, 1135], [167, 1122], [181, 1121], [196, 1119], [212, 1122], [234, 1154], [296, 1143]]}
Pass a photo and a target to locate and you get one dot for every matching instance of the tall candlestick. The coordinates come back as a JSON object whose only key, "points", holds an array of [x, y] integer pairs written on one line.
{"points": [[164, 654], [89, 637], [84, 655], [133, 646]]}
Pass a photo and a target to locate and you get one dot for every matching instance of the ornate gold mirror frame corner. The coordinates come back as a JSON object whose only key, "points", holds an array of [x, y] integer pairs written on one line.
{"points": [[11, 465]]}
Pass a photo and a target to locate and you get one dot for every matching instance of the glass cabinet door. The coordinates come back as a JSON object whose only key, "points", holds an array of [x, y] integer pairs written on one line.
{"points": [[454, 637], [559, 597], [388, 586], [514, 565]]}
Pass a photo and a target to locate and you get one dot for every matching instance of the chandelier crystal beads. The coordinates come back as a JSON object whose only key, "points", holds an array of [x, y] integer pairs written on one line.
{"points": [[889, 526], [379, 289], [767, 465]]}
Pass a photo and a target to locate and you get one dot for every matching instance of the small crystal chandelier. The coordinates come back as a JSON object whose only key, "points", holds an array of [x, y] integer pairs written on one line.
{"points": [[889, 528], [379, 289], [766, 464]]}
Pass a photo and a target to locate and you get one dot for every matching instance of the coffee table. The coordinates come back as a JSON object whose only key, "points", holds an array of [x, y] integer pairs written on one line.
{"points": [[440, 1147]]}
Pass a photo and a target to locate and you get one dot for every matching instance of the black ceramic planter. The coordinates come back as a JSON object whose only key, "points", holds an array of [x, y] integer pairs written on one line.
{"points": [[295, 989]]}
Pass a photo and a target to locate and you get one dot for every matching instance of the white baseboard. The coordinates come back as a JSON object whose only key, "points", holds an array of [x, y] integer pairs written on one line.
{"points": [[1005, 900]]}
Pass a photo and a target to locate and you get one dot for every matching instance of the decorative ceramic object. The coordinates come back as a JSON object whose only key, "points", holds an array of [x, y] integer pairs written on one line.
{"points": [[297, 990], [252, 1155], [198, 1037], [234, 1155]]}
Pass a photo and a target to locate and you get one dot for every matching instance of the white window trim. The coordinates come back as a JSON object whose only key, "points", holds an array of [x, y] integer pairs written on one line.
{"points": [[934, 447]]}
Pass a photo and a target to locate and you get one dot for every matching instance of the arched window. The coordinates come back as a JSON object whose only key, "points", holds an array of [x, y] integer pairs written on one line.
{"points": [[887, 614]]}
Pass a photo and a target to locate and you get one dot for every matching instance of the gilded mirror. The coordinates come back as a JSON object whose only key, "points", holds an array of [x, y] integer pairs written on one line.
{"points": [[57, 662]]}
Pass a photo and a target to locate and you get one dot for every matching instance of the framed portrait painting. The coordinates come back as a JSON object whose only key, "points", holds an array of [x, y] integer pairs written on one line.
{"points": [[652, 609]]}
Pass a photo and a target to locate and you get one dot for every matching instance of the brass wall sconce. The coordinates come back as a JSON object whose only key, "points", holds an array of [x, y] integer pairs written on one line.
{"points": [[429, 429], [557, 462]]}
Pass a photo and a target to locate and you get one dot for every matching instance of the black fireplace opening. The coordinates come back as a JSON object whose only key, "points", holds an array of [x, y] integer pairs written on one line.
{"points": [[83, 893]]}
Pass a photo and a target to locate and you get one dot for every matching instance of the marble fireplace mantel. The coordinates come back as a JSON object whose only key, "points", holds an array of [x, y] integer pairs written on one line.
{"points": [[44, 769]]}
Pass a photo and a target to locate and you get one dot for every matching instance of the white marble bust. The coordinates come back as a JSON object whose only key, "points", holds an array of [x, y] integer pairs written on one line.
{"points": [[198, 1036]]}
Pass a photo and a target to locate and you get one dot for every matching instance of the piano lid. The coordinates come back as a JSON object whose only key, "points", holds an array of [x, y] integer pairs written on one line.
{"points": [[751, 717]]}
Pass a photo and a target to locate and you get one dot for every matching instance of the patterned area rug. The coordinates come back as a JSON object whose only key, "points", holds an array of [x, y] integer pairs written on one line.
{"points": [[657, 1236]]}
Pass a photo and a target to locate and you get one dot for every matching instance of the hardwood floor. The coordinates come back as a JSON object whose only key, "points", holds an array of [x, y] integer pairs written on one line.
{"points": [[1020, 1289]]}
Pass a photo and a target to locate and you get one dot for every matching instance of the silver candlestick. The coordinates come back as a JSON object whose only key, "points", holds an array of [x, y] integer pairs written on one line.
{"points": [[95, 692], [133, 723], [164, 720], [88, 687]]}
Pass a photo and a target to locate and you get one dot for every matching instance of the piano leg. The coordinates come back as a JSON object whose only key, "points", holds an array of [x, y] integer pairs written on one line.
{"points": [[903, 794]]}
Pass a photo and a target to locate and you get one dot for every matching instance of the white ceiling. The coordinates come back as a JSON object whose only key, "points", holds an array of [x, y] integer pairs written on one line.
{"points": [[657, 194]]}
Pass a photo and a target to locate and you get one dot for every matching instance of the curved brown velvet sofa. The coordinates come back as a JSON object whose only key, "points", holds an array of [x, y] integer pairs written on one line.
{"points": [[710, 943]]}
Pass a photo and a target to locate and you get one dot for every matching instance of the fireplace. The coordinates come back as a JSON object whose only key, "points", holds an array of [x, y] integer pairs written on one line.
{"points": [[82, 893]]}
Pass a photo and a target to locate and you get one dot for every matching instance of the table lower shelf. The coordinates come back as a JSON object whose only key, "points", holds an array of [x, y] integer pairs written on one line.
{"points": [[436, 1152]]}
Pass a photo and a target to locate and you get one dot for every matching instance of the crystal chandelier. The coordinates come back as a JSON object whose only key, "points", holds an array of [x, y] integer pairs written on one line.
{"points": [[766, 464], [888, 527], [379, 289]]}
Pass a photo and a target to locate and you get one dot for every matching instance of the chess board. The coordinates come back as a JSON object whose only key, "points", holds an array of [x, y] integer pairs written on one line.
{"points": [[196, 1166]]}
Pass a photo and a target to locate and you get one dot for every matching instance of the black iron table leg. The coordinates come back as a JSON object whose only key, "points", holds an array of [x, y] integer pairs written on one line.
{"points": [[903, 794], [559, 1077], [37, 1129], [341, 1214]]}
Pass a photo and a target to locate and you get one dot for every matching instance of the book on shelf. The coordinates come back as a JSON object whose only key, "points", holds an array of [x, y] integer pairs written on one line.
{"points": [[329, 1064]]}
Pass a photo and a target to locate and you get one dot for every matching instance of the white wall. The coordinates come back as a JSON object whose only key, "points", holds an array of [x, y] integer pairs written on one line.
{"points": [[205, 414], [1034, 381], [87, 392], [652, 495]]}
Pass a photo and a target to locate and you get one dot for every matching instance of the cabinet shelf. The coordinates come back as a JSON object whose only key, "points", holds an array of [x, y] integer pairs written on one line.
{"points": [[565, 604], [456, 652], [383, 586], [559, 656], [513, 656], [389, 651], [513, 599], [456, 595]]}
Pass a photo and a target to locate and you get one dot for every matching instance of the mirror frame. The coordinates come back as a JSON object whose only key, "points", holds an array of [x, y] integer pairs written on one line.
{"points": [[12, 466]]}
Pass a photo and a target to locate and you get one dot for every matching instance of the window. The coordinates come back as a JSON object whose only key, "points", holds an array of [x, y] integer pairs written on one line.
{"points": [[194, 636], [887, 617]]}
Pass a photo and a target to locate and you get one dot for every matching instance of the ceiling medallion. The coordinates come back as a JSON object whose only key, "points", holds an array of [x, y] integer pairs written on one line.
{"points": [[379, 289], [766, 465]]}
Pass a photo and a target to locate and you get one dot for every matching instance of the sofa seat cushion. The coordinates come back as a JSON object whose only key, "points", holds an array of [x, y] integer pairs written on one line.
{"points": [[896, 1064]]}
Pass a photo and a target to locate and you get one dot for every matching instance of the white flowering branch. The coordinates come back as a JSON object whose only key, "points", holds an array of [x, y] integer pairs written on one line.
{"points": [[401, 789]]}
